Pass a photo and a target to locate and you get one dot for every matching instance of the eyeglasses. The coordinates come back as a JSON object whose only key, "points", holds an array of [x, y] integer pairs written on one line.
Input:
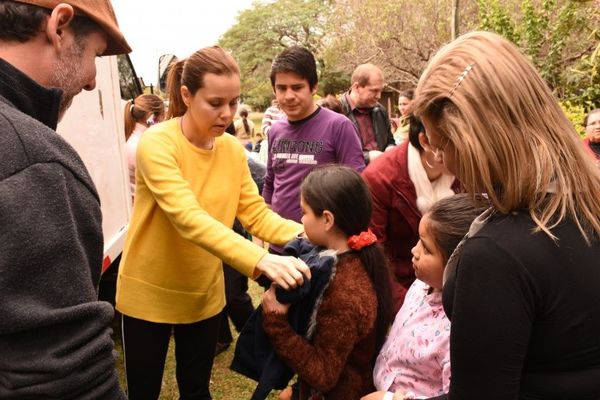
{"points": [[594, 123]]}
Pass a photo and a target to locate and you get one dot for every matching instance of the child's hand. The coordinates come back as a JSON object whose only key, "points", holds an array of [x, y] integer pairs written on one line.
{"points": [[401, 395], [286, 394], [383, 395], [270, 303], [374, 396]]}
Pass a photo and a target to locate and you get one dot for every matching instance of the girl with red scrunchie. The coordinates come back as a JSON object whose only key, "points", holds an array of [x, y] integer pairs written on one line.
{"points": [[355, 311]]}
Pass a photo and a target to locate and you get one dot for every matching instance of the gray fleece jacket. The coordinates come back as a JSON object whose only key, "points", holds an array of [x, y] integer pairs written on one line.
{"points": [[55, 338]]}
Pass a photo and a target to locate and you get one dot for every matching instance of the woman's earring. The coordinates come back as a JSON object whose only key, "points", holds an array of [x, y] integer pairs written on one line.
{"points": [[428, 163]]}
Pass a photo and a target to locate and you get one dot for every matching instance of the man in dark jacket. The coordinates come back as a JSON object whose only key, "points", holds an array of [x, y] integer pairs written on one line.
{"points": [[361, 105], [54, 334]]}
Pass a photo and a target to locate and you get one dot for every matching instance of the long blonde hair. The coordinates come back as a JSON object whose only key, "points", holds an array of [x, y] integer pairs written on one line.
{"points": [[511, 138]]}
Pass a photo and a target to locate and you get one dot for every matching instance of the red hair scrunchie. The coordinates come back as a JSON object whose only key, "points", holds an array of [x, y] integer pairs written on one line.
{"points": [[357, 242]]}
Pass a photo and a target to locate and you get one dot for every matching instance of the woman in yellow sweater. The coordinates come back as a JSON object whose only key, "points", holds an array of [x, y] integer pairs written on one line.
{"points": [[192, 182]]}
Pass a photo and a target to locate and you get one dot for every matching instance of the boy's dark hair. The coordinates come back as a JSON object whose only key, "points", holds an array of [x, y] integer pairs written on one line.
{"points": [[342, 191], [20, 22], [408, 93], [415, 126], [450, 219], [331, 103], [297, 60]]}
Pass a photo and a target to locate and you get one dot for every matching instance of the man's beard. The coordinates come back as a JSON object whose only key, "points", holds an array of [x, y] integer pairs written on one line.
{"points": [[67, 75]]}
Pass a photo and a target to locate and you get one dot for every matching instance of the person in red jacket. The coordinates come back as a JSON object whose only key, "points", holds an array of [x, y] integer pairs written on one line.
{"points": [[404, 183]]}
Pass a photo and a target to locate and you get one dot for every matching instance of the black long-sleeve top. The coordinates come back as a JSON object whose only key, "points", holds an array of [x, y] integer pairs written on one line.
{"points": [[525, 313]]}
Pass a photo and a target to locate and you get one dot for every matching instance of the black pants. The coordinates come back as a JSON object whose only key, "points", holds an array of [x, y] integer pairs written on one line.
{"points": [[239, 305], [145, 346]]}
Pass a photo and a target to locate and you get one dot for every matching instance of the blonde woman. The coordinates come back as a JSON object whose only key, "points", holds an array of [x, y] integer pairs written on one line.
{"points": [[522, 289]]}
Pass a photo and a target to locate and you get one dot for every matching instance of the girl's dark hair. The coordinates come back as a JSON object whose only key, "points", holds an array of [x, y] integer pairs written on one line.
{"points": [[244, 116], [297, 60], [190, 72], [415, 127], [332, 103], [450, 219], [342, 191], [136, 110], [408, 93]]}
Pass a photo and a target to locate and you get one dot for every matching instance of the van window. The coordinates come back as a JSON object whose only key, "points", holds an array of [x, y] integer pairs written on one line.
{"points": [[128, 79]]}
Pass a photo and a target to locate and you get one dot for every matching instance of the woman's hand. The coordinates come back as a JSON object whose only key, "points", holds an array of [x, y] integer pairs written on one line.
{"points": [[287, 272], [270, 303]]}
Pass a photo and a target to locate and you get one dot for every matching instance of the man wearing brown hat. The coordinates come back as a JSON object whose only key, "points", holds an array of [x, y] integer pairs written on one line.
{"points": [[54, 335]]}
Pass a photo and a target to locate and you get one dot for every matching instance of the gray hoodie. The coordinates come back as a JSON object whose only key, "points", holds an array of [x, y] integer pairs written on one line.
{"points": [[55, 338]]}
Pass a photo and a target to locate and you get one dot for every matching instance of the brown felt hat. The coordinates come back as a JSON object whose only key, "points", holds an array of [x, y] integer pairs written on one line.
{"points": [[99, 11]]}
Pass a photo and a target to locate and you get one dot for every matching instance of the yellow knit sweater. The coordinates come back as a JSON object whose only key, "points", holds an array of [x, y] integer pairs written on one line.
{"points": [[186, 200]]}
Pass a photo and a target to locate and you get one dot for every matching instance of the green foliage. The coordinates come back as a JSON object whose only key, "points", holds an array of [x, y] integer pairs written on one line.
{"points": [[536, 23], [558, 36], [550, 32], [583, 81], [333, 82], [399, 36], [576, 113], [561, 37], [494, 17], [264, 31]]}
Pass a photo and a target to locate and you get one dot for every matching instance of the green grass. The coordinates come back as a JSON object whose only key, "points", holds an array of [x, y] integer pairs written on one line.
{"points": [[224, 384]]}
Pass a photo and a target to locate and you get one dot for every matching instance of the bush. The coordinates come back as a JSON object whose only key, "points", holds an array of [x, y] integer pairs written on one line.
{"points": [[576, 113]]}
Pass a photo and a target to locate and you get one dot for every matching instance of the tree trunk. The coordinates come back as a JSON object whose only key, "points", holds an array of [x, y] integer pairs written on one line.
{"points": [[454, 21]]}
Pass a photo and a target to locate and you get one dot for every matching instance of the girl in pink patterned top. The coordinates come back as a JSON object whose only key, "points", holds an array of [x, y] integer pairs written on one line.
{"points": [[415, 358]]}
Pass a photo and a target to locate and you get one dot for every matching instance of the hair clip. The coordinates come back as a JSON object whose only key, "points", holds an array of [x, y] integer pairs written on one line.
{"points": [[131, 107], [365, 238], [461, 77]]}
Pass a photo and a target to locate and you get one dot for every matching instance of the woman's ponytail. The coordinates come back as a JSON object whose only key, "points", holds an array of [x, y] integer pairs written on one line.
{"points": [[128, 117], [191, 71], [176, 105]]}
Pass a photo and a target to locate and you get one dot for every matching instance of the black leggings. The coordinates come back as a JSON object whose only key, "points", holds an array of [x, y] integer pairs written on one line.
{"points": [[145, 346]]}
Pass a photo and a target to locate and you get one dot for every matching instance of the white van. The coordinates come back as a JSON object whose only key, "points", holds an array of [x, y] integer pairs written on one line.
{"points": [[94, 127]]}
